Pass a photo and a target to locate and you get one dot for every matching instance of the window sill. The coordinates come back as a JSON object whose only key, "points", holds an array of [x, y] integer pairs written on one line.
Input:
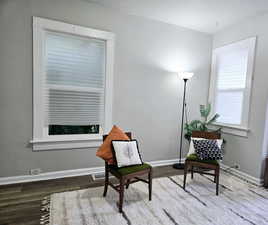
{"points": [[66, 143], [231, 129]]}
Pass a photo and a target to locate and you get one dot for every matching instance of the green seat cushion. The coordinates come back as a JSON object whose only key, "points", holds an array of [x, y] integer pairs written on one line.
{"points": [[194, 157], [130, 169]]}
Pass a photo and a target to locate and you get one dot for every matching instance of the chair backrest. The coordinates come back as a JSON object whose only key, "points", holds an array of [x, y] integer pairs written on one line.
{"points": [[206, 134], [127, 133], [105, 136]]}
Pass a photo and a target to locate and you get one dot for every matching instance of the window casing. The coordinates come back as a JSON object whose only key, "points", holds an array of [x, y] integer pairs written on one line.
{"points": [[72, 82], [230, 85]]}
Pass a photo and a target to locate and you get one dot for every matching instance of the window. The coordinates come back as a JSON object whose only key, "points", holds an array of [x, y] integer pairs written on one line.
{"points": [[231, 78], [73, 69]]}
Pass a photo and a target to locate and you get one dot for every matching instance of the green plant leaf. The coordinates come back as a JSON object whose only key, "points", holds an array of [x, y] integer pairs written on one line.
{"points": [[202, 110], [205, 111], [195, 124], [203, 127], [208, 109], [213, 119]]}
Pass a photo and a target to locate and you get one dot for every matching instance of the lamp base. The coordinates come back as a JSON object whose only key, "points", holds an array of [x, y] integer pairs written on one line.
{"points": [[178, 166]]}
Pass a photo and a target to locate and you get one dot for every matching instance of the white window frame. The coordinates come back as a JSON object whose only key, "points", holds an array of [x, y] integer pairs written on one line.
{"points": [[41, 139], [243, 128]]}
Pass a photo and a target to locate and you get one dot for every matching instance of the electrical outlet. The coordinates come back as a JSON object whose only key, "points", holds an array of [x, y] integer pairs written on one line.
{"points": [[35, 171], [236, 166]]}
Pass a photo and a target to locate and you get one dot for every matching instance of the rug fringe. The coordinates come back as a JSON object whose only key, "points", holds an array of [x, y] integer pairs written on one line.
{"points": [[45, 211]]}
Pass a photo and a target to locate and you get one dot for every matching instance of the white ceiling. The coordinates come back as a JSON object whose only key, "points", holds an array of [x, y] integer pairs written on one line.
{"points": [[207, 16]]}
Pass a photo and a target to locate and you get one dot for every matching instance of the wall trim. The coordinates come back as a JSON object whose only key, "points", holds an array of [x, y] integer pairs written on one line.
{"points": [[98, 170], [242, 175], [237, 131], [70, 173], [44, 145]]}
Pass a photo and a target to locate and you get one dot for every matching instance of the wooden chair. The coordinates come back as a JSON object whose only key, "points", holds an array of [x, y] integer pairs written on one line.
{"points": [[126, 176], [194, 164]]}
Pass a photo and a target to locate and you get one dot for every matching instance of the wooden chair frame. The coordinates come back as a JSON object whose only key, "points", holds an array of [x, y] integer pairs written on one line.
{"points": [[266, 174], [192, 165], [126, 180]]}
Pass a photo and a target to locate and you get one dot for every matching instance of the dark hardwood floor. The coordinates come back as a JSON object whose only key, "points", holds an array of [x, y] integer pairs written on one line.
{"points": [[20, 203]]}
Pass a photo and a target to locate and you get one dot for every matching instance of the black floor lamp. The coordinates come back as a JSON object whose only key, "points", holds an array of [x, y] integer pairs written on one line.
{"points": [[185, 76]]}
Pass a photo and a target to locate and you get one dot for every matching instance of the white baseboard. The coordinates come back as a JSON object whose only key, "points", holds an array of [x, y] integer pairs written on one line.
{"points": [[98, 170], [49, 175], [165, 162], [242, 175], [70, 173]]}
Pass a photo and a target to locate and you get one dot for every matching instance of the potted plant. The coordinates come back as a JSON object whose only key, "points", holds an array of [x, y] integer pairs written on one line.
{"points": [[201, 125]]}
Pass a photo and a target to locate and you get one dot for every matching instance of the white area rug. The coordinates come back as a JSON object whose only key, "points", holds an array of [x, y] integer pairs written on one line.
{"points": [[238, 203]]}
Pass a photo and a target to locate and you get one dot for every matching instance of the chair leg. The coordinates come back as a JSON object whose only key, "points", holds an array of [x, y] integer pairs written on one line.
{"points": [[121, 195], [185, 174], [192, 172], [150, 184], [106, 183], [127, 185], [217, 180]]}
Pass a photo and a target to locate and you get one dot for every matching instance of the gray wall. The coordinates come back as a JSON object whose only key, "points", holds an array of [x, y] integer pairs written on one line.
{"points": [[248, 152], [147, 95]]}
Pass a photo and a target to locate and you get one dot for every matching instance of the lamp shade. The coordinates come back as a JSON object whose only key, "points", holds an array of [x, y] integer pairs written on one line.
{"points": [[186, 75]]}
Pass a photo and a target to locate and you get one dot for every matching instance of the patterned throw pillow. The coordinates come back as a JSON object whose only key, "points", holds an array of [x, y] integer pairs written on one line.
{"points": [[126, 153], [207, 149], [191, 147]]}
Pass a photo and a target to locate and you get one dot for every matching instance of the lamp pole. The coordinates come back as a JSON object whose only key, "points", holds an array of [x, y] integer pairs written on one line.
{"points": [[180, 165]]}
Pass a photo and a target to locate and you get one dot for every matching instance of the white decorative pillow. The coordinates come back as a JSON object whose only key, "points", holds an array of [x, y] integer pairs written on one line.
{"points": [[126, 153], [192, 149]]}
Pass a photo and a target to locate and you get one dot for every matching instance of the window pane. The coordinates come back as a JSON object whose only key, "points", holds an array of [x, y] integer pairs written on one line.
{"points": [[232, 69], [229, 107], [75, 82], [65, 129]]}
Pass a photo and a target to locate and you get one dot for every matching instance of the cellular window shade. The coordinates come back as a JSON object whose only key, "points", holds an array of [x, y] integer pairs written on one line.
{"points": [[231, 84], [75, 80]]}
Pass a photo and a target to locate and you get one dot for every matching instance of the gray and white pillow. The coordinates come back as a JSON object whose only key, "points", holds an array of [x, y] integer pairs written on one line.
{"points": [[126, 153], [207, 149]]}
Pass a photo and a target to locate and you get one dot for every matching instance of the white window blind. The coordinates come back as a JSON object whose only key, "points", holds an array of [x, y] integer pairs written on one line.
{"points": [[231, 78], [231, 84], [75, 80]]}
